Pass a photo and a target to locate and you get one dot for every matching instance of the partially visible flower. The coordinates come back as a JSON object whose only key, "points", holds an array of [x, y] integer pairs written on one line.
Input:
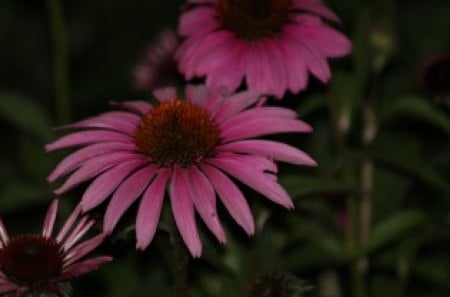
{"points": [[435, 76], [272, 44], [158, 67], [191, 146], [35, 263]]}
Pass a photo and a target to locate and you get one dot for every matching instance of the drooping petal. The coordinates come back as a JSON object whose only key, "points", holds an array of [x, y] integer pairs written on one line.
{"points": [[150, 209], [264, 126], [83, 267], [195, 20], [125, 122], [276, 150], [232, 198], [183, 212], [107, 182], [235, 104], [87, 137], [4, 238], [125, 195], [92, 168], [77, 158], [204, 198], [50, 218], [259, 181], [82, 249], [316, 7], [197, 94]]}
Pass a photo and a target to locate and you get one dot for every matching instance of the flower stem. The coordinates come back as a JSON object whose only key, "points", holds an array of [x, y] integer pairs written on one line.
{"points": [[60, 62], [180, 263]]}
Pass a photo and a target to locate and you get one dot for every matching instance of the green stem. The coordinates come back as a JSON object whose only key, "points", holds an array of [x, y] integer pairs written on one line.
{"points": [[60, 62]]}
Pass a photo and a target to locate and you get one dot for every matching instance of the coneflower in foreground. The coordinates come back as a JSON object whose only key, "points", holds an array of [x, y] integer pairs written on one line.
{"points": [[271, 44], [34, 263], [189, 145]]}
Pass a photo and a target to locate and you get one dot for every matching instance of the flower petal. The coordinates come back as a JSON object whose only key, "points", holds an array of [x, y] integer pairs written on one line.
{"points": [[125, 195], [87, 137], [82, 249], [138, 106], [240, 168], [125, 122], [276, 150], [231, 197], [50, 218], [204, 198], [150, 209], [165, 94], [183, 212], [81, 268]]}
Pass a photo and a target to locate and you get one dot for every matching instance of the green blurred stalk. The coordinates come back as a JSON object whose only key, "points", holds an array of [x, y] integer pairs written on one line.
{"points": [[60, 61], [180, 263]]}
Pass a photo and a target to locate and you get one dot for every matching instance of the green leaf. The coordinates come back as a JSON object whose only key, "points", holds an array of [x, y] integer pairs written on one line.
{"points": [[417, 109], [393, 228], [412, 164], [25, 115]]}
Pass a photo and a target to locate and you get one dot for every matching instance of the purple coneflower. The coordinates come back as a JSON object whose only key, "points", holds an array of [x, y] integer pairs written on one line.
{"points": [[41, 262], [189, 145], [158, 67], [272, 44]]}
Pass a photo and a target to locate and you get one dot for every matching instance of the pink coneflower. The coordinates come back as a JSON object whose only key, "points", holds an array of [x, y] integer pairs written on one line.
{"points": [[158, 67], [40, 262], [272, 44], [191, 146]]}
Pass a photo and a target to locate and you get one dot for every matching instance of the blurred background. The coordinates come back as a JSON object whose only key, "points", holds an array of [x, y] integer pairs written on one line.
{"points": [[372, 220]]}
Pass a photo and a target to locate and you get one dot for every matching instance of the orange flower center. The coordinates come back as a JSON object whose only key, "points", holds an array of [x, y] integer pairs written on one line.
{"points": [[254, 19], [177, 132], [31, 260]]}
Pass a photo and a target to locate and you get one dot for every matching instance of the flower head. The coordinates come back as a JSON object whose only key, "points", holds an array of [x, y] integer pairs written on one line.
{"points": [[192, 146], [42, 262], [272, 44], [157, 68]]}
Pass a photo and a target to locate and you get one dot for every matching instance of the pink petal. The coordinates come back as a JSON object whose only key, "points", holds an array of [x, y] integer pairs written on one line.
{"points": [[204, 198], [69, 223], [276, 150], [77, 158], [297, 72], [326, 41], [232, 130], [125, 195], [106, 183], [92, 168], [259, 181], [150, 210], [50, 218], [84, 267], [231, 197], [230, 72], [140, 107], [83, 249], [210, 52], [196, 19], [316, 7], [183, 212], [124, 122], [235, 104], [316, 63], [4, 238], [87, 137], [276, 60], [78, 232], [165, 94], [197, 94]]}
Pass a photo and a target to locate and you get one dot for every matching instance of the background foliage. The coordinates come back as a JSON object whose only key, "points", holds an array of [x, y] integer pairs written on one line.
{"points": [[372, 220]]}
